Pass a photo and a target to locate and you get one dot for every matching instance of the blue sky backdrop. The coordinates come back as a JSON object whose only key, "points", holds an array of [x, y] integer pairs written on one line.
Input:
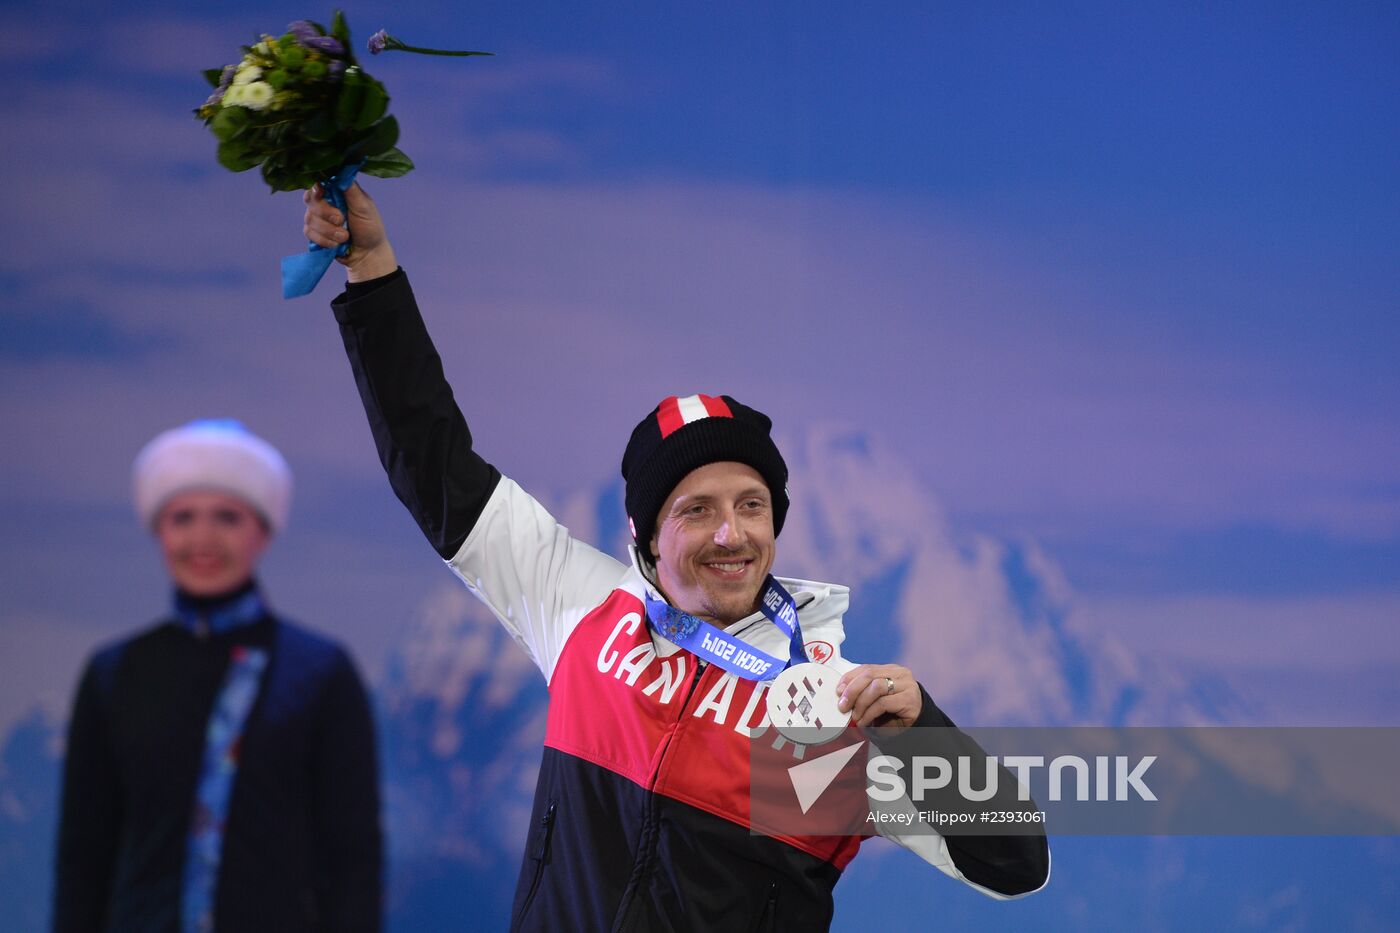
{"points": [[1109, 291]]}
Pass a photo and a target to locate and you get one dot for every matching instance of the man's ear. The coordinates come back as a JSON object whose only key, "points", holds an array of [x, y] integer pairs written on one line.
{"points": [[655, 551]]}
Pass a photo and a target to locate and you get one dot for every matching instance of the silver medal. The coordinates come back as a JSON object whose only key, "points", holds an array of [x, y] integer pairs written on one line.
{"points": [[802, 704]]}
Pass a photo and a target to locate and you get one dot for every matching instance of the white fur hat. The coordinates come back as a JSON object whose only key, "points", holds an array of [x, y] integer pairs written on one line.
{"points": [[220, 455]]}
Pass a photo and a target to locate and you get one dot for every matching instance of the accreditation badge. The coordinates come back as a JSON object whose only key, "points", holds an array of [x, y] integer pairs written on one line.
{"points": [[802, 704]]}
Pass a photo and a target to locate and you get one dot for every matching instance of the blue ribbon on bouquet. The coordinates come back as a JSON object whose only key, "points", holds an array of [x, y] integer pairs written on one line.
{"points": [[301, 272], [725, 651]]}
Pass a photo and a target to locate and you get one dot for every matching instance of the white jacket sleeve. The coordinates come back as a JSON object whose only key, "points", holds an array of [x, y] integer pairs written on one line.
{"points": [[538, 579]]}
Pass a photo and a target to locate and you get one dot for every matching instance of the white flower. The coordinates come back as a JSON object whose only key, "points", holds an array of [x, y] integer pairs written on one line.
{"points": [[256, 96], [233, 97], [247, 74]]}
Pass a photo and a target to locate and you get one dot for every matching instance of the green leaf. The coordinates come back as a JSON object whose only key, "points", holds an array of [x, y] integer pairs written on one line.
{"points": [[381, 138], [340, 29], [372, 107], [272, 176], [320, 161], [391, 164], [229, 122], [351, 99], [213, 76], [281, 179], [319, 127], [235, 157]]}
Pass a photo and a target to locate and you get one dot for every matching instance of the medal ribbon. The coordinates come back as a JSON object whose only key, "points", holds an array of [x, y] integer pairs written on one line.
{"points": [[725, 651]]}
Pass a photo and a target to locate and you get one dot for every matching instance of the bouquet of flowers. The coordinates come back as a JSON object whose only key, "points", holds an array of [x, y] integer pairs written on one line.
{"points": [[300, 106]]}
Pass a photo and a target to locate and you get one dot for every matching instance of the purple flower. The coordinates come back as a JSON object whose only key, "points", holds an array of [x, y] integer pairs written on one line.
{"points": [[309, 37], [225, 80], [381, 41], [327, 44], [303, 30], [336, 68]]}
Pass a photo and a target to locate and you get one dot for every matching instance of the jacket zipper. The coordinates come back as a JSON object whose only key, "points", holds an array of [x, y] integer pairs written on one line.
{"points": [[768, 921], [541, 855], [700, 668], [646, 839]]}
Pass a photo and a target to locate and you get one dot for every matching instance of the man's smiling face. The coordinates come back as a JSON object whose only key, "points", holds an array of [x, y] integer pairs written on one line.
{"points": [[714, 542]]}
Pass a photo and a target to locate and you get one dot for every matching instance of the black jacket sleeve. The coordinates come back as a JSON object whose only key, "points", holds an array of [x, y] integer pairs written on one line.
{"points": [[90, 822], [422, 438], [349, 839], [1010, 865]]}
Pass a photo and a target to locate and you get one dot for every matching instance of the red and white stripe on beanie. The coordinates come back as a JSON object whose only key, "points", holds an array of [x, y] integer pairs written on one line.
{"points": [[678, 411]]}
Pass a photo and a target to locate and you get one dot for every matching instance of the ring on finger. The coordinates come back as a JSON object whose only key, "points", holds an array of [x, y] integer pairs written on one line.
{"points": [[889, 685]]}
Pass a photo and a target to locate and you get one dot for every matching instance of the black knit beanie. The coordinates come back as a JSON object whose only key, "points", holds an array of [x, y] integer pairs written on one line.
{"points": [[683, 433]]}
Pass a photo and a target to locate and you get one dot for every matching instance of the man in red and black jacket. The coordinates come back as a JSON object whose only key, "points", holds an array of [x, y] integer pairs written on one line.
{"points": [[642, 808]]}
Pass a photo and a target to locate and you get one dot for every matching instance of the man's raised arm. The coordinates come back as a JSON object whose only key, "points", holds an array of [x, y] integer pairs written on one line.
{"points": [[535, 577], [422, 438]]}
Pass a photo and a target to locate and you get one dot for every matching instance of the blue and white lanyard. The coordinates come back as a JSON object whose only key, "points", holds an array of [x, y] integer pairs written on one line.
{"points": [[723, 650], [222, 743]]}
